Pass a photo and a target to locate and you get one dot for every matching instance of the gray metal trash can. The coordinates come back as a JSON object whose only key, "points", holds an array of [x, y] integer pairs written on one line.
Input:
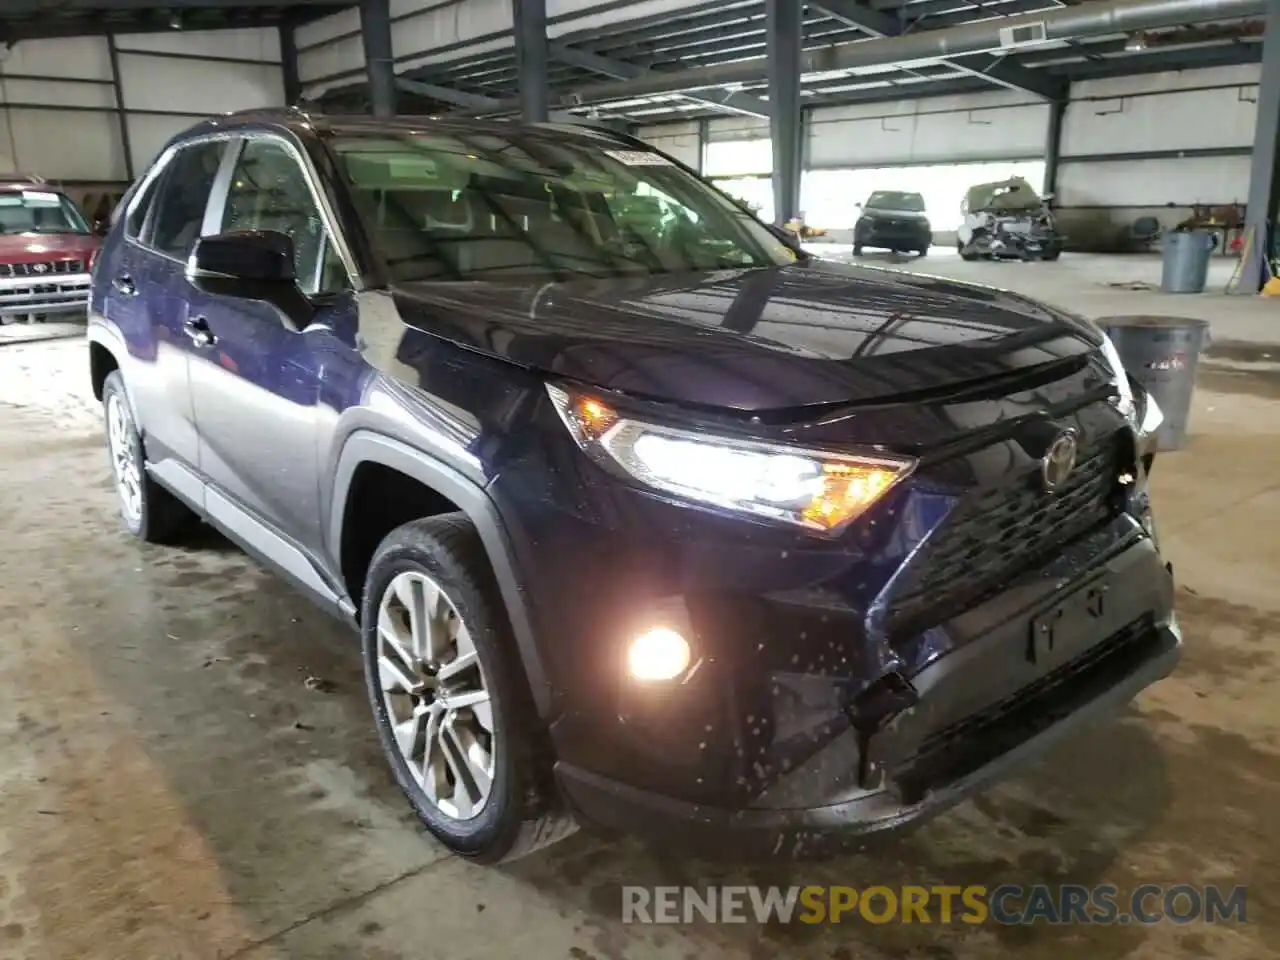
{"points": [[1185, 260], [1162, 354]]}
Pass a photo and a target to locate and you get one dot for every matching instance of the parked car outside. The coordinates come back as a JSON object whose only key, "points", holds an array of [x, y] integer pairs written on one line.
{"points": [[46, 251], [894, 220], [654, 522]]}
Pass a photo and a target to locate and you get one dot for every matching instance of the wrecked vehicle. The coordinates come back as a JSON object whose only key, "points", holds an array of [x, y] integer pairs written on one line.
{"points": [[1007, 219]]}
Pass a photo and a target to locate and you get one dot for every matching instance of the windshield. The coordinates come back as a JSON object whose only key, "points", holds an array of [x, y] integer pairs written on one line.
{"points": [[39, 211], [893, 200], [452, 206]]}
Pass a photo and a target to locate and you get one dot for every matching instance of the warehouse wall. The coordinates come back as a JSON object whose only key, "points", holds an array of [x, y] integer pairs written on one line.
{"points": [[58, 98], [1195, 128], [1149, 145], [439, 31]]}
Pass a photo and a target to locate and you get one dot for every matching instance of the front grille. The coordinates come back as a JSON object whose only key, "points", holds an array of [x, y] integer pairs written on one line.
{"points": [[989, 538], [961, 748], [45, 268]]}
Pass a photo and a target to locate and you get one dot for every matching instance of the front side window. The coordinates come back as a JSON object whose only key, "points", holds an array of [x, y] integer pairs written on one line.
{"points": [[453, 206], [269, 191], [181, 198], [39, 211]]}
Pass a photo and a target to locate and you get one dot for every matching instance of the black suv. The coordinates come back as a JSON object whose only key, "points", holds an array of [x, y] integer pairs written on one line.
{"points": [[645, 517]]}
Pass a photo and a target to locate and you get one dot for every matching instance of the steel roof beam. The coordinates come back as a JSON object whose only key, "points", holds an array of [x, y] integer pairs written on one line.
{"points": [[731, 102], [983, 65]]}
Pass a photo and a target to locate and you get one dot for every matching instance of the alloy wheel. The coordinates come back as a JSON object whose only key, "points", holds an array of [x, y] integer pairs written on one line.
{"points": [[436, 697], [123, 461]]}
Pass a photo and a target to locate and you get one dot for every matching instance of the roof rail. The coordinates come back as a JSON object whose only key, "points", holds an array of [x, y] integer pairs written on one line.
{"points": [[14, 177]]}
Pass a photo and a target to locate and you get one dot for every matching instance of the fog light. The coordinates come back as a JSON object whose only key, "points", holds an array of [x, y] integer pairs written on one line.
{"points": [[658, 654]]}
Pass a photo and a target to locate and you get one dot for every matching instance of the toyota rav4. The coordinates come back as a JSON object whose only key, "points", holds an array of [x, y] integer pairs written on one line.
{"points": [[645, 517]]}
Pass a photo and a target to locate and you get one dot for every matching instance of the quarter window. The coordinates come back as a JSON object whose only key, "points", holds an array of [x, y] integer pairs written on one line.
{"points": [[269, 191], [182, 197]]}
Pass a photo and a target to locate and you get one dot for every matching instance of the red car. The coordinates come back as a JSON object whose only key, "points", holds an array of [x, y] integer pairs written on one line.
{"points": [[46, 251]]}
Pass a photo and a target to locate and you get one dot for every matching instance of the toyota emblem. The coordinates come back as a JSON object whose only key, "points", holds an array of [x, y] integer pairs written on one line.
{"points": [[1059, 460], [40, 267]]}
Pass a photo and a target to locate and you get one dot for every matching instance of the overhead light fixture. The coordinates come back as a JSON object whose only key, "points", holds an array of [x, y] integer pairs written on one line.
{"points": [[1136, 42]]}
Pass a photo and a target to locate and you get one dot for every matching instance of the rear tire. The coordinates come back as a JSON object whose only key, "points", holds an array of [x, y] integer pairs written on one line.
{"points": [[149, 511], [467, 748], [857, 249]]}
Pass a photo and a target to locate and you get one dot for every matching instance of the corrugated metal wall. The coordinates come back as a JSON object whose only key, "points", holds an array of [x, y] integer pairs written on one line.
{"points": [[60, 116]]}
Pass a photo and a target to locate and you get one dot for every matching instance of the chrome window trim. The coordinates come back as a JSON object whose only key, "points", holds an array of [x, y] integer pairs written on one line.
{"points": [[321, 200]]}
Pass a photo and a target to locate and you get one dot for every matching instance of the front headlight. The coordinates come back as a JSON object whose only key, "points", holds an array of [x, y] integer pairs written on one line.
{"points": [[810, 488], [1120, 377]]}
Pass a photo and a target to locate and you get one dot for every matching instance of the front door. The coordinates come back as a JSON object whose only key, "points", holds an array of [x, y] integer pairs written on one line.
{"points": [[255, 381]]}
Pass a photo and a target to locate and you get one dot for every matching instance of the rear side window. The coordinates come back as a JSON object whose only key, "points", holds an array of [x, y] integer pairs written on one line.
{"points": [[181, 197]]}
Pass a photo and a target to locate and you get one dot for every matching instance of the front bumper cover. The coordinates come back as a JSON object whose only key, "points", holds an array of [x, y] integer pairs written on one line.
{"points": [[983, 711], [46, 294]]}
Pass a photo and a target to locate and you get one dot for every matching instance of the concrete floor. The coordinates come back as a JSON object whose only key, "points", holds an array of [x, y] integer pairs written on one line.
{"points": [[171, 788]]}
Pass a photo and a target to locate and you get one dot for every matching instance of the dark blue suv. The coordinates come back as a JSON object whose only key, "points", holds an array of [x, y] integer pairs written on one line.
{"points": [[646, 517]]}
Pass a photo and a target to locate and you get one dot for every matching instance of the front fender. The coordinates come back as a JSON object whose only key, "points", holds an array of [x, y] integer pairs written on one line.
{"points": [[365, 446]]}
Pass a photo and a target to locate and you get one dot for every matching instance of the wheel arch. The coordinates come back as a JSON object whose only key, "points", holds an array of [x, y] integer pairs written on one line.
{"points": [[365, 447]]}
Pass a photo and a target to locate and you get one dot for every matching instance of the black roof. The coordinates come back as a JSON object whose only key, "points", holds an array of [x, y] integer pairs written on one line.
{"points": [[303, 123]]}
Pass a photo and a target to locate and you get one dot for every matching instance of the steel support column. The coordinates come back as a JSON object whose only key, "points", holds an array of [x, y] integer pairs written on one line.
{"points": [[785, 35], [375, 30], [1255, 267], [289, 63], [122, 115], [532, 56], [1053, 145], [704, 137]]}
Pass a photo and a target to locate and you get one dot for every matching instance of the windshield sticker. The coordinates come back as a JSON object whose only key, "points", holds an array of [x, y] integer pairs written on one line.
{"points": [[30, 196], [638, 158]]}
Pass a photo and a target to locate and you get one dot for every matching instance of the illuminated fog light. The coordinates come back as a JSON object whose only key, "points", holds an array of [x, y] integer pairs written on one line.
{"points": [[658, 654]]}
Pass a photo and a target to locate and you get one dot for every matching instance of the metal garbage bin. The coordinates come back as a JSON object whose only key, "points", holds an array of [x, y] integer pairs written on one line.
{"points": [[1162, 354], [1184, 264]]}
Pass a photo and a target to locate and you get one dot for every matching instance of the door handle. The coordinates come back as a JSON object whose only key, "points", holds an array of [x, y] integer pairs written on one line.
{"points": [[124, 283], [197, 328]]}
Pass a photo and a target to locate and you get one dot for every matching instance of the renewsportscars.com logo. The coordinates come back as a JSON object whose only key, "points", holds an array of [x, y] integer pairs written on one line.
{"points": [[1008, 904]]}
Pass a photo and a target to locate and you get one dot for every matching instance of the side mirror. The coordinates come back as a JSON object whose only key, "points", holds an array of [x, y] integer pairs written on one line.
{"points": [[247, 256], [250, 265], [858, 205]]}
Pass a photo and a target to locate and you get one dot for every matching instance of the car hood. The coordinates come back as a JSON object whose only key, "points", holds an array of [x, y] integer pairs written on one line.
{"points": [[36, 247], [811, 333]]}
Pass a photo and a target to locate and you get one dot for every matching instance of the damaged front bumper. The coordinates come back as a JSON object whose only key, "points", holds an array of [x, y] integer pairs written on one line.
{"points": [[1030, 677]]}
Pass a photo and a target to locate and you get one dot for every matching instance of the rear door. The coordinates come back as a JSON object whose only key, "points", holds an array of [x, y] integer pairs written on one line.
{"points": [[147, 298]]}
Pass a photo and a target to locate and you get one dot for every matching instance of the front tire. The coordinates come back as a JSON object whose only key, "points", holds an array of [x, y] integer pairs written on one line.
{"points": [[452, 707], [149, 511], [857, 249]]}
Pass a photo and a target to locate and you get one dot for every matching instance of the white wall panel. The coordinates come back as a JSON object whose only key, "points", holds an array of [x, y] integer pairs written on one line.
{"points": [[680, 140], [85, 57], [335, 57], [251, 43], [987, 126], [162, 95], [197, 86], [737, 128], [84, 145], [1154, 183], [57, 93], [443, 31], [326, 28], [148, 133], [1155, 114]]}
